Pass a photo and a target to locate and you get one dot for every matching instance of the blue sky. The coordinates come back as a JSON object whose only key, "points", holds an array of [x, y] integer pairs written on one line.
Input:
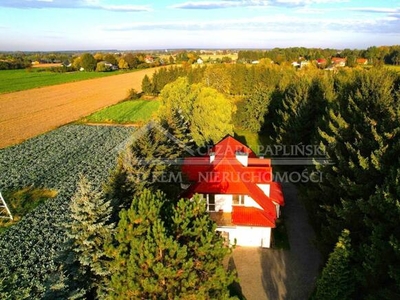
{"points": [[50, 25]]}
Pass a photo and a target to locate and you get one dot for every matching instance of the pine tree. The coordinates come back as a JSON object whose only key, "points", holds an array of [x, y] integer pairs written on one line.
{"points": [[304, 105], [147, 85], [156, 259], [256, 108], [88, 229], [337, 281], [151, 161], [381, 250], [144, 258], [192, 228]]}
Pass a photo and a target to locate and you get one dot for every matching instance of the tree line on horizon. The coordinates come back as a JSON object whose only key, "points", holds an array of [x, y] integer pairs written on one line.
{"points": [[131, 60], [389, 55]]}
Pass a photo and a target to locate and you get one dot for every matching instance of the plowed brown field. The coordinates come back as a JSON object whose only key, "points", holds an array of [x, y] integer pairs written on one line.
{"points": [[29, 113]]}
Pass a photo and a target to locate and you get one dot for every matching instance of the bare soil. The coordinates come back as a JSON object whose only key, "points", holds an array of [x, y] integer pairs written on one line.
{"points": [[46, 65], [26, 114]]}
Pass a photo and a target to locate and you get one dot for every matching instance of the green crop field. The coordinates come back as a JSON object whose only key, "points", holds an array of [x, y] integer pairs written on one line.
{"points": [[19, 80], [135, 111]]}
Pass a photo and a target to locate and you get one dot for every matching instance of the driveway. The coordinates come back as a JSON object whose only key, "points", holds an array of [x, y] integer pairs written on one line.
{"points": [[281, 274]]}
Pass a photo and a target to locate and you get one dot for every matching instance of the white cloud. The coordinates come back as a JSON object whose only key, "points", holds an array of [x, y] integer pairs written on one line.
{"points": [[303, 2], [376, 9], [276, 23], [89, 4], [248, 3], [209, 4]]}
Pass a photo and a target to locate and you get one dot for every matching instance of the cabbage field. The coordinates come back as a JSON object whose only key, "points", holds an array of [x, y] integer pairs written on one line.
{"points": [[28, 250]]}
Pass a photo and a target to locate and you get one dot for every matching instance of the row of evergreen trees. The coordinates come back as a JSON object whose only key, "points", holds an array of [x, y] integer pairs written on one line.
{"points": [[158, 249], [354, 117]]}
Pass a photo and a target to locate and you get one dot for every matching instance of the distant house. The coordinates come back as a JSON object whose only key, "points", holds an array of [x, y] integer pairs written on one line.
{"points": [[110, 66], [66, 63], [321, 61], [199, 61], [362, 61], [149, 59], [304, 63], [239, 192], [295, 64], [338, 61]]}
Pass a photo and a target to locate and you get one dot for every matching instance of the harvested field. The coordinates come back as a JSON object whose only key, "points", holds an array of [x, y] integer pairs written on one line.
{"points": [[29, 113], [46, 65]]}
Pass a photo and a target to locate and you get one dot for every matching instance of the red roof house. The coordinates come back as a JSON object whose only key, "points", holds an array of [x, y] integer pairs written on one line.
{"points": [[239, 191], [338, 61], [362, 61]]}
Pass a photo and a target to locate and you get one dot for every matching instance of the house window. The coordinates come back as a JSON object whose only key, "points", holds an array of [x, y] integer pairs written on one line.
{"points": [[238, 199], [211, 202]]}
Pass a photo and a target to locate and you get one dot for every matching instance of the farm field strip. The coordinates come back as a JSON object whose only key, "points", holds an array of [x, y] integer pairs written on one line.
{"points": [[19, 80], [26, 114], [128, 112]]}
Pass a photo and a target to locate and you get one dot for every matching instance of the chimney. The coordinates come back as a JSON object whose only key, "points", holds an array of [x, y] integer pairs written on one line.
{"points": [[243, 158], [212, 157]]}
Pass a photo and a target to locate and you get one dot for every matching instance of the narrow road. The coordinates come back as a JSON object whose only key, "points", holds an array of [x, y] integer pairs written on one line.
{"points": [[26, 114], [275, 274]]}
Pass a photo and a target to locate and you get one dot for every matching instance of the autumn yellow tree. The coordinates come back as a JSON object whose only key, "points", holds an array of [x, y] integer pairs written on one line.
{"points": [[209, 113]]}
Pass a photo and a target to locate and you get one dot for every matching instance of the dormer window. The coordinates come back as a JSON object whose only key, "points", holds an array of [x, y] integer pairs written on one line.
{"points": [[238, 199], [210, 200]]}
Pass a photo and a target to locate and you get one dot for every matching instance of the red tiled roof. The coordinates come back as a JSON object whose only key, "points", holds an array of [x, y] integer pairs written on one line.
{"points": [[276, 193], [226, 175], [250, 216], [265, 162], [337, 59], [362, 60]]}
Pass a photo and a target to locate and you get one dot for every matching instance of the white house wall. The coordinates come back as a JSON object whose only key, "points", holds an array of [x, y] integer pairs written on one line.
{"points": [[249, 202], [265, 187], [278, 210], [248, 236]]}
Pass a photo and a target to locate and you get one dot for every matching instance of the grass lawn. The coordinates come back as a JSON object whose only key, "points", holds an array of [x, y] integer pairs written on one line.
{"points": [[21, 202], [134, 111], [19, 80]]}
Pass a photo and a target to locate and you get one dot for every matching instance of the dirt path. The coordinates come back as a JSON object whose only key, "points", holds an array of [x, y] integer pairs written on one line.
{"points": [[281, 274], [28, 113]]}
